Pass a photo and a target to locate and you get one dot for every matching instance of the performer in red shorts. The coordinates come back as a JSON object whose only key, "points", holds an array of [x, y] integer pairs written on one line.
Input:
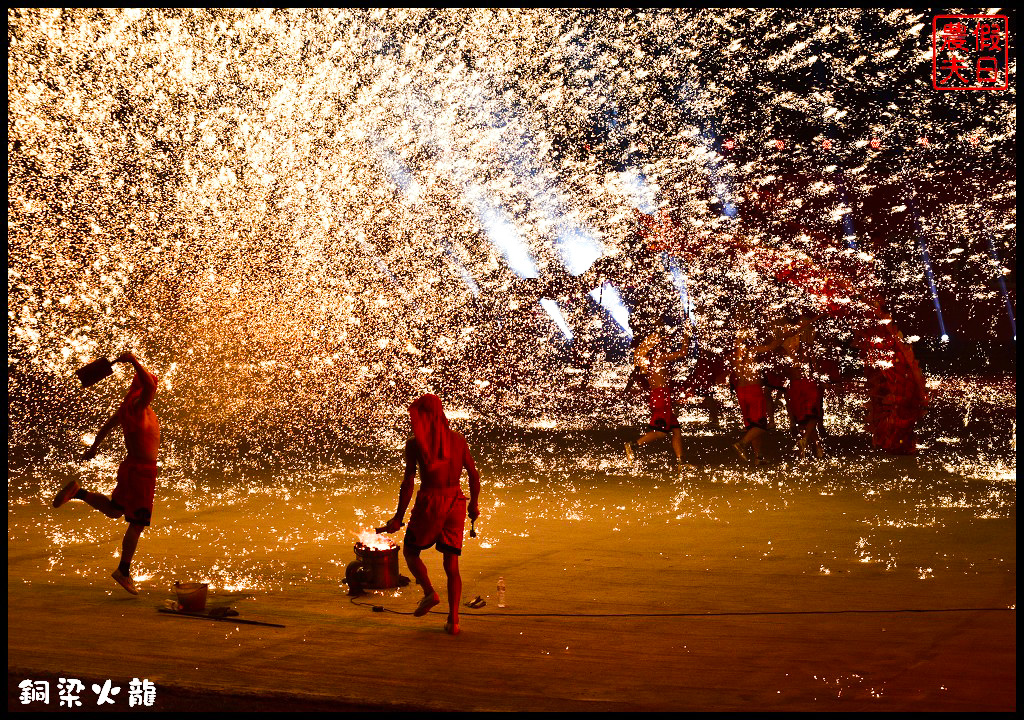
{"points": [[803, 398], [804, 394], [748, 382], [439, 514], [136, 477], [746, 379], [652, 361]]}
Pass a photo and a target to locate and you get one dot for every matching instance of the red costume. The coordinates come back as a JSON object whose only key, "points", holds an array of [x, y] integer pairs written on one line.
{"points": [[136, 478], [803, 400], [753, 406], [707, 369], [136, 485], [663, 419], [897, 394], [438, 516], [439, 513], [772, 375]]}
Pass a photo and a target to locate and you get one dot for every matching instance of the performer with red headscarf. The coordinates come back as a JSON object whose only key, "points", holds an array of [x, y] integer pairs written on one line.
{"points": [[136, 477], [439, 514]]}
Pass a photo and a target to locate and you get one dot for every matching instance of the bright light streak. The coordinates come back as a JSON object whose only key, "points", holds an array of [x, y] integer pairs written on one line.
{"points": [[398, 173], [502, 233], [556, 314], [1002, 287], [608, 297], [468, 279], [719, 182], [849, 227], [927, 261], [679, 280], [578, 250], [642, 194]]}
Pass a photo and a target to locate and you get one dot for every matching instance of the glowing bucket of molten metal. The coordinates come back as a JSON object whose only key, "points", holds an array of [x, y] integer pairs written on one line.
{"points": [[377, 567]]}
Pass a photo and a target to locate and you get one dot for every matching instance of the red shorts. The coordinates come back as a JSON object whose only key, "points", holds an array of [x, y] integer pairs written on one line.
{"points": [[753, 406], [438, 516], [662, 417], [803, 400], [136, 485], [702, 379]]}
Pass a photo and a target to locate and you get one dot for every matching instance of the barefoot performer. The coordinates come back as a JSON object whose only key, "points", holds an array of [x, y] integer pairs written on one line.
{"points": [[652, 367], [136, 477], [439, 514], [804, 394], [748, 381]]}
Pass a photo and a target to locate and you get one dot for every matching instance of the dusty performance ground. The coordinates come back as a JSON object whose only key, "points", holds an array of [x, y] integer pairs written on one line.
{"points": [[862, 582]]}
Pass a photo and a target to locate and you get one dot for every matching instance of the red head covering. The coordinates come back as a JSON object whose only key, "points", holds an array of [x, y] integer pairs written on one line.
{"points": [[430, 427]]}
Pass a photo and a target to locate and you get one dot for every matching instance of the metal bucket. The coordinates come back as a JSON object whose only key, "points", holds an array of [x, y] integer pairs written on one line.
{"points": [[379, 567], [191, 596]]}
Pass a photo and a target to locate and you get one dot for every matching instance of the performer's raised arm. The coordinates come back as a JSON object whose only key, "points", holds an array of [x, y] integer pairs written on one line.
{"points": [[145, 378]]}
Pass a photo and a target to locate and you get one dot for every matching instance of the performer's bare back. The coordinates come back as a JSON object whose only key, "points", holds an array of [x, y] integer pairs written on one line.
{"points": [[449, 473]]}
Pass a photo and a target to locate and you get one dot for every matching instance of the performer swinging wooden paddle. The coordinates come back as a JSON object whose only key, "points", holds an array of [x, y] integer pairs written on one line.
{"points": [[136, 477]]}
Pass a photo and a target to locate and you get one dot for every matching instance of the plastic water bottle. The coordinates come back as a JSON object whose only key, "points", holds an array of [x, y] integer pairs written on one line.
{"points": [[501, 592]]}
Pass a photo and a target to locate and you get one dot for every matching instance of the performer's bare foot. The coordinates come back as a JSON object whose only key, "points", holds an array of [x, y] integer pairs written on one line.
{"points": [[801, 447], [66, 493], [429, 600], [124, 581], [452, 628], [738, 447]]}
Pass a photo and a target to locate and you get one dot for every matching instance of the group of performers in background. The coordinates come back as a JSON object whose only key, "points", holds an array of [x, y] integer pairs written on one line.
{"points": [[774, 355], [788, 367]]}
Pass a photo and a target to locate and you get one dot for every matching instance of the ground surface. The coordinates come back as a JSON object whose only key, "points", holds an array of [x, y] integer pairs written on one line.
{"points": [[856, 583]]}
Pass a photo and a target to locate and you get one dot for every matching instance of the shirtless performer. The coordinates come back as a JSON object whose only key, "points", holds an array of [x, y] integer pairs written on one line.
{"points": [[439, 514], [773, 377], [136, 477], [748, 382], [804, 394], [652, 360]]}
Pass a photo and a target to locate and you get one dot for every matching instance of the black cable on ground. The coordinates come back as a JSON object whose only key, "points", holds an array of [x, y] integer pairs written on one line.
{"points": [[381, 608]]}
